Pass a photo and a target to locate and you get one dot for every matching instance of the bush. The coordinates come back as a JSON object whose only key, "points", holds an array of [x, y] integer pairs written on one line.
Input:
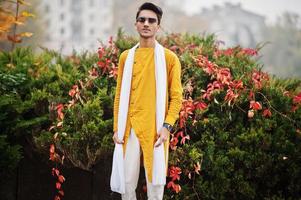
{"points": [[238, 135]]}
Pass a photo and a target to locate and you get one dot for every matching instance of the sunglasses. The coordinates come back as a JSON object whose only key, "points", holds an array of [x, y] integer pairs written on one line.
{"points": [[149, 19]]}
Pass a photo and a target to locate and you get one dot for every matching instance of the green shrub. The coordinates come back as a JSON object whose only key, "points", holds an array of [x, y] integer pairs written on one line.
{"points": [[238, 135]]}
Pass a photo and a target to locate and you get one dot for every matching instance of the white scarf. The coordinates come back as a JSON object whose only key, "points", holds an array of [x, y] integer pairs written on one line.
{"points": [[159, 168]]}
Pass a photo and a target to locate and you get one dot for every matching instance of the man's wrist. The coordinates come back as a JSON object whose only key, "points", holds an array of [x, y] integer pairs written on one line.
{"points": [[168, 126]]}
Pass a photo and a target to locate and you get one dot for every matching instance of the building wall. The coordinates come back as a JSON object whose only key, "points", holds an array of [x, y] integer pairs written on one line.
{"points": [[76, 24], [234, 26]]}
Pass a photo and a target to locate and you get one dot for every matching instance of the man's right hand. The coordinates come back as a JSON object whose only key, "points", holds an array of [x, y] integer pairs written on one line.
{"points": [[116, 140]]}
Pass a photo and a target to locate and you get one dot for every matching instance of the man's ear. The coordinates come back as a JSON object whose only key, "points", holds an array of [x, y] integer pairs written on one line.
{"points": [[159, 27], [135, 25]]}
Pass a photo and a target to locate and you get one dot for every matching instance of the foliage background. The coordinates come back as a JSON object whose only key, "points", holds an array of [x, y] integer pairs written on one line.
{"points": [[238, 135]]}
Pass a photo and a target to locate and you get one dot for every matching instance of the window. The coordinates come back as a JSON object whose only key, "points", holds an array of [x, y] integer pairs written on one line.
{"points": [[76, 30], [62, 16], [62, 31]]}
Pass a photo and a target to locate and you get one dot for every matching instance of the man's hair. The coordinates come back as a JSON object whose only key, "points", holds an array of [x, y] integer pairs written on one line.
{"points": [[152, 7]]}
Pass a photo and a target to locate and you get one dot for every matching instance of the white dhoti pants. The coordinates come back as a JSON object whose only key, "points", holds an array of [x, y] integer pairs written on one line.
{"points": [[132, 169]]}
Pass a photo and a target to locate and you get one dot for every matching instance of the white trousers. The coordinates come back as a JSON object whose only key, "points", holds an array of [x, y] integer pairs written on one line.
{"points": [[132, 169]]}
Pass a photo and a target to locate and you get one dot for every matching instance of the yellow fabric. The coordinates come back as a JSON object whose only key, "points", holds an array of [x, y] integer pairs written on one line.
{"points": [[142, 102]]}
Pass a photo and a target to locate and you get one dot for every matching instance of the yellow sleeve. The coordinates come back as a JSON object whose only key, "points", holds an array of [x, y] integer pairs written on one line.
{"points": [[174, 91], [118, 87]]}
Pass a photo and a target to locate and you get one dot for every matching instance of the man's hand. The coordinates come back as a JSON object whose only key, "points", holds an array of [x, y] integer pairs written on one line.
{"points": [[162, 136], [116, 140]]}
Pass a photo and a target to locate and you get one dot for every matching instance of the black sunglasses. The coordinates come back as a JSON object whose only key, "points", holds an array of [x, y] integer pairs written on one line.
{"points": [[149, 19]]}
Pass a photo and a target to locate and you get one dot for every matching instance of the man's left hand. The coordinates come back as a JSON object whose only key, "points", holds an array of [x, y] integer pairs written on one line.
{"points": [[162, 136]]}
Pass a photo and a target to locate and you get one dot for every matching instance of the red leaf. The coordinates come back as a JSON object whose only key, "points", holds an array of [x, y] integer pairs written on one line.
{"points": [[251, 95], [174, 173], [61, 192], [101, 52], [201, 105], [249, 51], [267, 113], [187, 137], [59, 109], [237, 84], [255, 105], [297, 99], [114, 72], [61, 178], [180, 134], [52, 148], [74, 90], [55, 172], [57, 197], [170, 184], [224, 75], [58, 185], [177, 188], [173, 143]]}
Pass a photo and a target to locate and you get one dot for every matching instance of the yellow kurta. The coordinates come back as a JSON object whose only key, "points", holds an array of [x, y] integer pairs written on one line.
{"points": [[142, 102]]}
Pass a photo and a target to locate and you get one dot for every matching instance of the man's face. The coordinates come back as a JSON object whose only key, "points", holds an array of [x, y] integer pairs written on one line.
{"points": [[147, 24]]}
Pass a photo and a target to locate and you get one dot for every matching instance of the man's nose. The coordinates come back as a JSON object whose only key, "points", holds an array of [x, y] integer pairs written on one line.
{"points": [[146, 23]]}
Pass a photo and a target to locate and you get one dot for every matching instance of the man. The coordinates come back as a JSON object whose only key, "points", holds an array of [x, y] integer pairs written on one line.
{"points": [[147, 103]]}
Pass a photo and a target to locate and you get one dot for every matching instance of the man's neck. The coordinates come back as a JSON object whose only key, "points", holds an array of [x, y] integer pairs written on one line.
{"points": [[147, 43]]}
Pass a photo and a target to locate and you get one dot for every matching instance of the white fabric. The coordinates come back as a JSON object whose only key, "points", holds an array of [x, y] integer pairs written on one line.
{"points": [[159, 168], [132, 169]]}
